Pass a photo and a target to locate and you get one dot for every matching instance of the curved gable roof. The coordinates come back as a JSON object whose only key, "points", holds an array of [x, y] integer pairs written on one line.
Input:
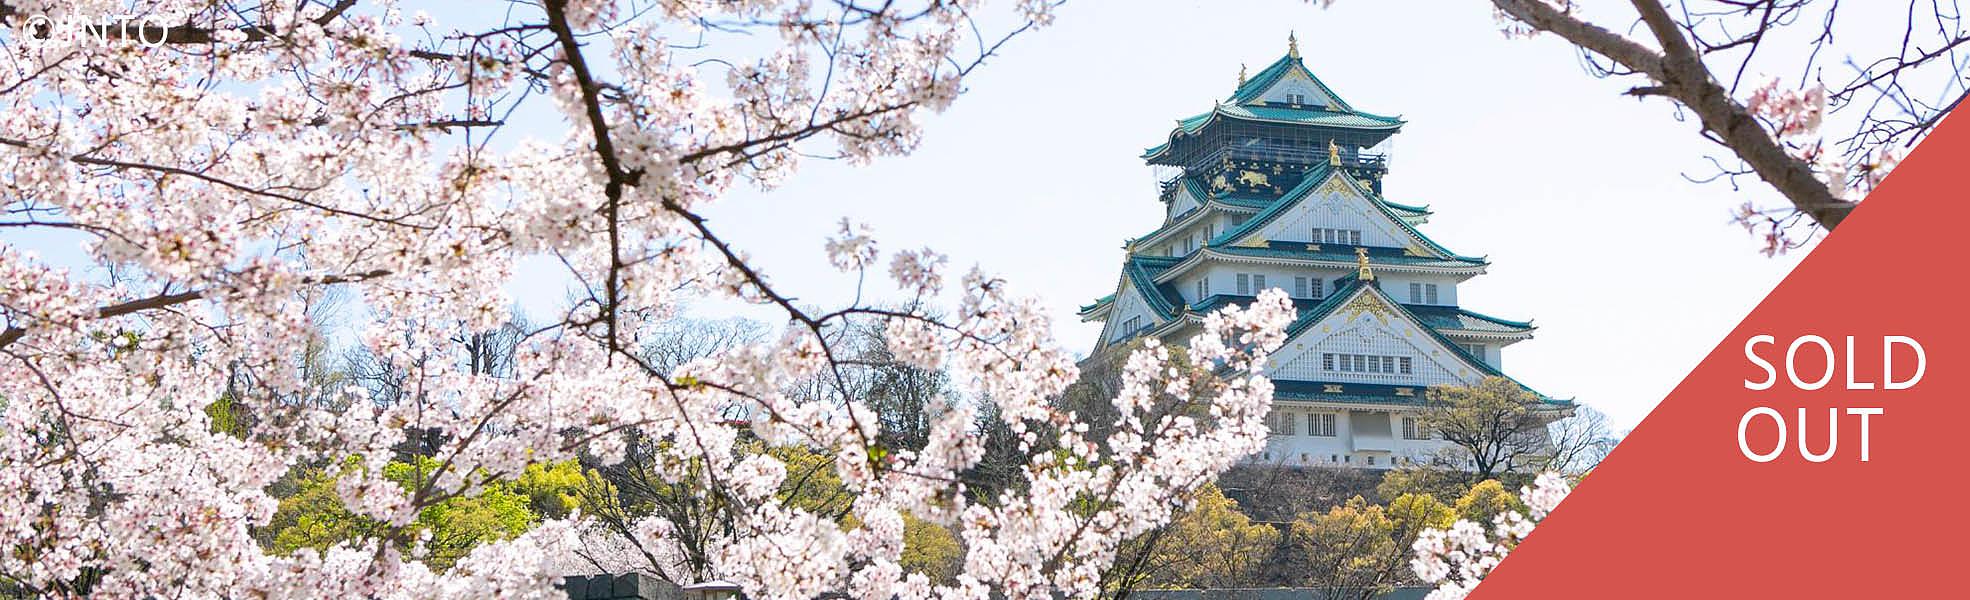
{"points": [[1314, 179]]}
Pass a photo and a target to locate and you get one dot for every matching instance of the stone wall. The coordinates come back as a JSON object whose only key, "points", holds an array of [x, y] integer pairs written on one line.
{"points": [[631, 586]]}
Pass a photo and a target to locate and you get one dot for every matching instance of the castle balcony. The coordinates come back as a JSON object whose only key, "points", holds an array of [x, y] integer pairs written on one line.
{"points": [[1367, 163]]}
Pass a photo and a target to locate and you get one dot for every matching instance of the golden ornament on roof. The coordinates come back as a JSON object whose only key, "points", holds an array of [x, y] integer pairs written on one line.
{"points": [[1361, 258]]}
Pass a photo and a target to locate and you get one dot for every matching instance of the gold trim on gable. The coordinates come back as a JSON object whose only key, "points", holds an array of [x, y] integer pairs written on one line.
{"points": [[1364, 304], [1335, 184]]}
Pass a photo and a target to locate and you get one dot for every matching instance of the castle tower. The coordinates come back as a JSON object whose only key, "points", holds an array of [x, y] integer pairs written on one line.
{"points": [[1281, 187]]}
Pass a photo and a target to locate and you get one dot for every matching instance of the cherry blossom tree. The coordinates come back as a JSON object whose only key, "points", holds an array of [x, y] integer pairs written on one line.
{"points": [[1822, 118], [1457, 559], [226, 159], [1797, 92]]}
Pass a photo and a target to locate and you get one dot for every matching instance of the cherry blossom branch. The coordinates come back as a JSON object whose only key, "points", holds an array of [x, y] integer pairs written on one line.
{"points": [[14, 333], [1680, 74]]}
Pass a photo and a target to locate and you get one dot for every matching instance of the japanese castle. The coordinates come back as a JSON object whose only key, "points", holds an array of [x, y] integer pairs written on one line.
{"points": [[1281, 186]]}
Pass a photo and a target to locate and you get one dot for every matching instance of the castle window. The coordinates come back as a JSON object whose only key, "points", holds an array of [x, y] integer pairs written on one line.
{"points": [[1476, 350], [1129, 327], [1350, 237], [1422, 293], [1299, 288], [1250, 284], [1281, 423], [1320, 424], [1413, 429], [1365, 363], [1296, 98], [1371, 459]]}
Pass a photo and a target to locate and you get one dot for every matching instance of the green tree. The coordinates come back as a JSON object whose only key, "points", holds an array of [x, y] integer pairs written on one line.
{"points": [[931, 549], [1498, 424], [1360, 551], [1211, 545], [553, 490], [1487, 500], [315, 517], [1422, 479], [812, 483]]}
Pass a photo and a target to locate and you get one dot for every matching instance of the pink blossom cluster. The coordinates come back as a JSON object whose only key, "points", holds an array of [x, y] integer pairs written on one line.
{"points": [[1790, 112], [1456, 560], [1795, 116]]}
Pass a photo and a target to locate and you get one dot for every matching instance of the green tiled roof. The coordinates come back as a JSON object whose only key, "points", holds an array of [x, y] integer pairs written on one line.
{"points": [[1244, 201], [1314, 177], [1364, 393], [1279, 114], [1309, 116], [1337, 253], [1451, 317], [1258, 83], [1141, 271], [1241, 201], [1407, 208], [1097, 303], [1245, 104], [1217, 301]]}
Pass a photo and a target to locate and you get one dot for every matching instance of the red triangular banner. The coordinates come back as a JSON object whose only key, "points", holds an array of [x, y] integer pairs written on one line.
{"points": [[1679, 511]]}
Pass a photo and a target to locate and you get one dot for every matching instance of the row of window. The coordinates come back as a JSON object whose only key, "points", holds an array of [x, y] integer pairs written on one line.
{"points": [[1317, 424], [1252, 283], [1349, 458], [1129, 327], [1366, 363], [1191, 243], [1312, 288], [1321, 235], [1324, 425], [1324, 235]]}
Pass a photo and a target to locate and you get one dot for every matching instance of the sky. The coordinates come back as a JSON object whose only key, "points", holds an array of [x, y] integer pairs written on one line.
{"points": [[1575, 193]]}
